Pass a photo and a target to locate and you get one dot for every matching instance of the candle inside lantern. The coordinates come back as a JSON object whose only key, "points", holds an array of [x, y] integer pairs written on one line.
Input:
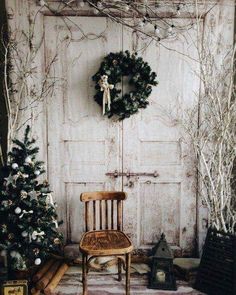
{"points": [[160, 276]]}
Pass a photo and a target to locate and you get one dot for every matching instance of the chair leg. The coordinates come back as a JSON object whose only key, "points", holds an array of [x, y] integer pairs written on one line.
{"points": [[84, 266], [128, 261], [119, 269], [87, 266]]}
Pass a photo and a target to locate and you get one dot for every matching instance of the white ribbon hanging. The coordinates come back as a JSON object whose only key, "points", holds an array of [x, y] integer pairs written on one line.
{"points": [[49, 199], [105, 87], [26, 212]]}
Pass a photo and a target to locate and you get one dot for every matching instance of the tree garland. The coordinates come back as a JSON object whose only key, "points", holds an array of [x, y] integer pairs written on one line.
{"points": [[141, 79]]}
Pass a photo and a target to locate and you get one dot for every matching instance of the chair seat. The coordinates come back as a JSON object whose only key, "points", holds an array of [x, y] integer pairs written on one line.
{"points": [[105, 242]]}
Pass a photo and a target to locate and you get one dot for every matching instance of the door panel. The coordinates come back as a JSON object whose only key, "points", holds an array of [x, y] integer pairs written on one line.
{"points": [[83, 145], [153, 142]]}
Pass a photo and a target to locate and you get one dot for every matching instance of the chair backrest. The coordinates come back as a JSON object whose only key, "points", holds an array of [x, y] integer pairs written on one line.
{"points": [[103, 210]]}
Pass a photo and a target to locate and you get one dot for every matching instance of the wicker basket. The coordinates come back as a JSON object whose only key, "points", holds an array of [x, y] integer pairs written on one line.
{"points": [[217, 271]]}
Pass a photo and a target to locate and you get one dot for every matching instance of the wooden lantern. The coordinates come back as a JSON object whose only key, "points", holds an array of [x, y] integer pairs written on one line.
{"points": [[162, 276]]}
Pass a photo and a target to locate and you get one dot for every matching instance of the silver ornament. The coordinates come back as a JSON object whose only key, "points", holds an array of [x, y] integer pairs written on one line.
{"points": [[18, 210], [14, 166], [37, 261]]}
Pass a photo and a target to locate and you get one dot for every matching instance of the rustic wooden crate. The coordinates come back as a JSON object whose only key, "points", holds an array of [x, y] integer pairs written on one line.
{"points": [[217, 271]]}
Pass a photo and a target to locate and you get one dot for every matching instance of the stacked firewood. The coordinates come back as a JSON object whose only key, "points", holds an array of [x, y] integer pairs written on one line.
{"points": [[48, 277]]}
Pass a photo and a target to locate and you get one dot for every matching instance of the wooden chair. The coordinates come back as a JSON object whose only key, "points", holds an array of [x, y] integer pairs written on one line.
{"points": [[104, 235]]}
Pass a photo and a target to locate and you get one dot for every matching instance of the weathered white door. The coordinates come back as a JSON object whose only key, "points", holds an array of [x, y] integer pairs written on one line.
{"points": [[154, 143], [84, 146]]}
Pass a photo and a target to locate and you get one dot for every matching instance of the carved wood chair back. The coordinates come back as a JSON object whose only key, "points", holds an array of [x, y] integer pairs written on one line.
{"points": [[103, 210]]}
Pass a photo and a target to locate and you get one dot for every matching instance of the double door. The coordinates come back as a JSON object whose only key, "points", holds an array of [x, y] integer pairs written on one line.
{"points": [[146, 155]]}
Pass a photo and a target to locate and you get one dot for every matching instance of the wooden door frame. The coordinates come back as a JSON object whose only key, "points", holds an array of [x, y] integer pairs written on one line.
{"points": [[30, 7]]}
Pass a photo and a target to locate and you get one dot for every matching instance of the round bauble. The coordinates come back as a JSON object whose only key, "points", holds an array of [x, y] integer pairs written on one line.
{"points": [[24, 234], [37, 261], [126, 7], [28, 160], [37, 172], [13, 253], [95, 11], [18, 210], [14, 166], [81, 4], [56, 241]]}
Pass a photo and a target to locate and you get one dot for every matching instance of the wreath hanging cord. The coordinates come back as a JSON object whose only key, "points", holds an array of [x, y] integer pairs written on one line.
{"points": [[141, 79]]}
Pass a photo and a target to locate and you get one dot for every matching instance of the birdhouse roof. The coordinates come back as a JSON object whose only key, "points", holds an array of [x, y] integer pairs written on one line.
{"points": [[162, 249]]}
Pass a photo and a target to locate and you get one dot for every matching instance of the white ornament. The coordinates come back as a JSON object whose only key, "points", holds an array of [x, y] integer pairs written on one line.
{"points": [[157, 31], [37, 261], [95, 11], [99, 5], [49, 199], [141, 24], [3, 253], [37, 172], [14, 166], [81, 4], [56, 223], [26, 212], [5, 203], [170, 29], [42, 2], [24, 234], [18, 210], [126, 7], [13, 253], [35, 234], [21, 175], [28, 160]]}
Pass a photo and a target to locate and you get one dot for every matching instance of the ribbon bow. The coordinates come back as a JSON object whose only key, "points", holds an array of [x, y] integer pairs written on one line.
{"points": [[105, 87], [35, 234], [26, 212]]}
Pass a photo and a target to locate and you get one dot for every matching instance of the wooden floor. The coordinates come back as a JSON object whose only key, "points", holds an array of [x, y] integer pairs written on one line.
{"points": [[107, 284]]}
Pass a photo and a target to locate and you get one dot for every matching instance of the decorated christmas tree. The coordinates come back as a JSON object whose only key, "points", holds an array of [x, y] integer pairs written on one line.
{"points": [[28, 219]]}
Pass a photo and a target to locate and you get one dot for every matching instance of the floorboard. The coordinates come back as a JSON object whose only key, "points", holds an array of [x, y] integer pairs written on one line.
{"points": [[107, 284]]}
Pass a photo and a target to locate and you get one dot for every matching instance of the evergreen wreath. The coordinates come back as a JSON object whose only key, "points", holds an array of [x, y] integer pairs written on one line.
{"points": [[141, 79]]}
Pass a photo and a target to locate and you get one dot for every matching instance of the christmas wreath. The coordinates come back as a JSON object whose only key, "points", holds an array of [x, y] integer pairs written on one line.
{"points": [[112, 69]]}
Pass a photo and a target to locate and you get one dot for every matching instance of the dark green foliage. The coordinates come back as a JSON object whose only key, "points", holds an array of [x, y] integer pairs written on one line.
{"points": [[141, 79], [28, 226]]}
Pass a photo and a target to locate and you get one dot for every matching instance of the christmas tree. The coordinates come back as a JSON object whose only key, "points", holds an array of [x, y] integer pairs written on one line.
{"points": [[28, 219]]}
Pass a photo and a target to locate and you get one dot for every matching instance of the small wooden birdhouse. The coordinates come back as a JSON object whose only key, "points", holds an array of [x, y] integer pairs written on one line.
{"points": [[162, 276]]}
